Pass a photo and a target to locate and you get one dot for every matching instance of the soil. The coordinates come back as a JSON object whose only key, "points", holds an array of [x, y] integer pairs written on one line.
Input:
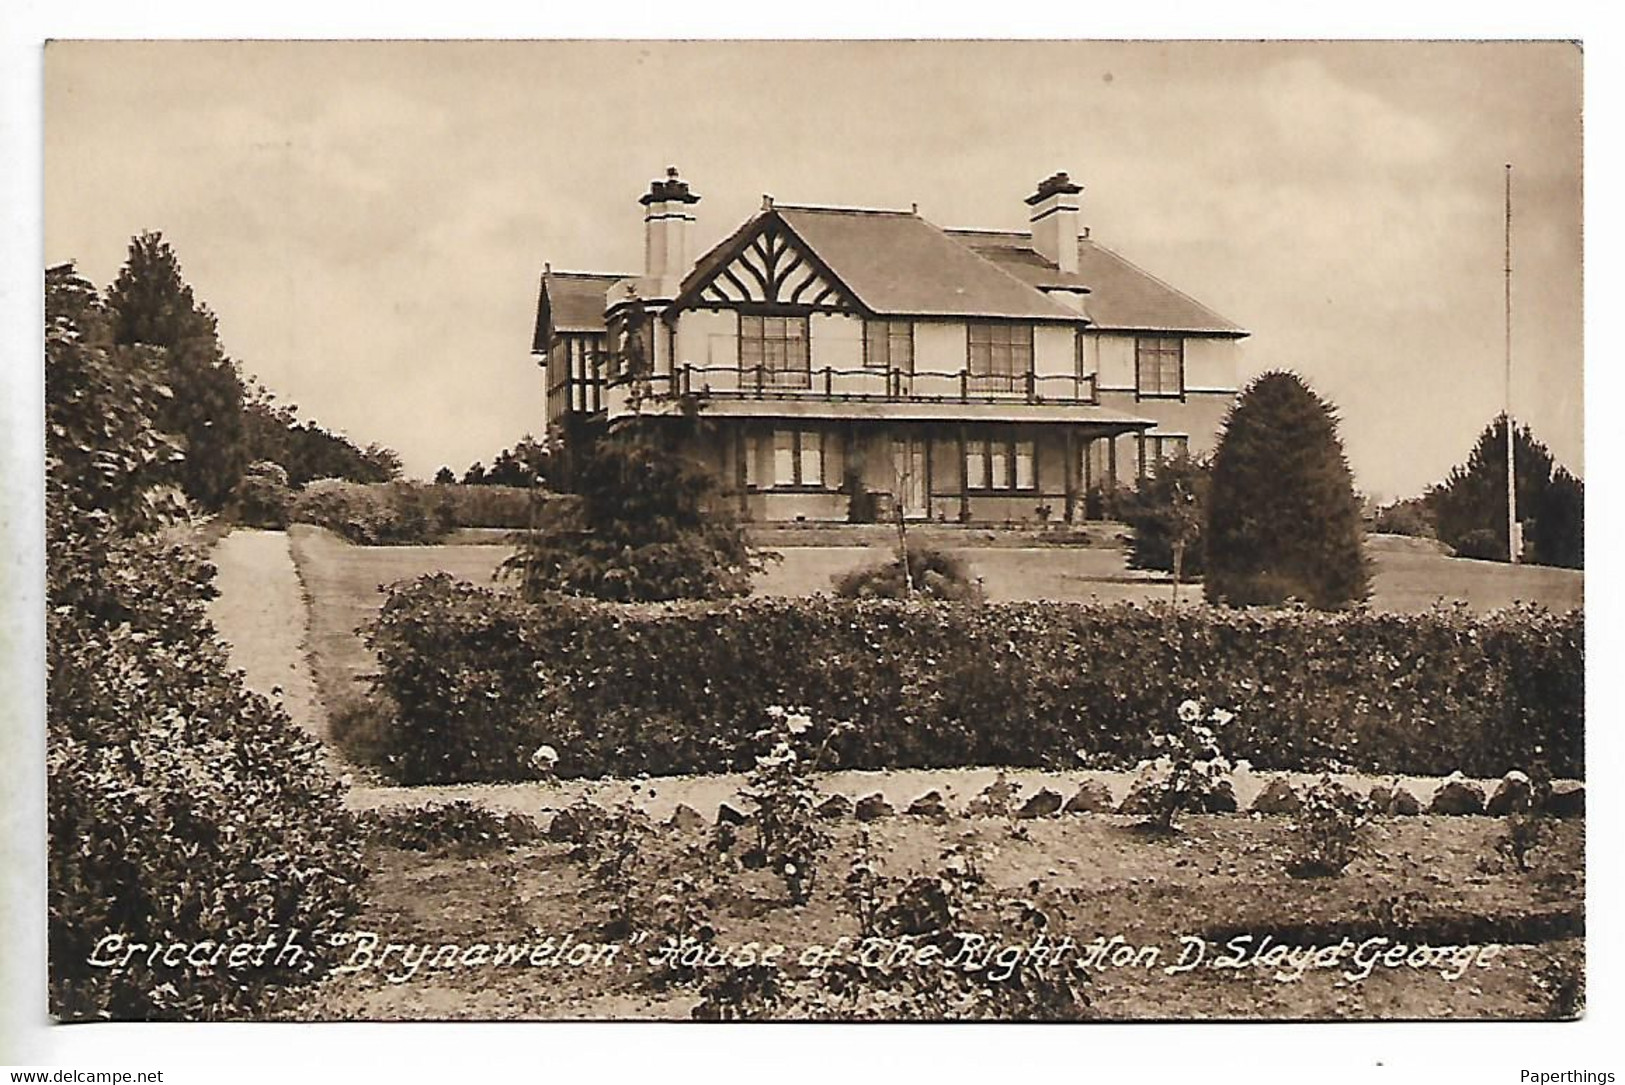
{"points": [[1426, 880]]}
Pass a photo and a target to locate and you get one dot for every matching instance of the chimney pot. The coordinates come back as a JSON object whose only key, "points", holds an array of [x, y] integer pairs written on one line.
{"points": [[767, 202]]}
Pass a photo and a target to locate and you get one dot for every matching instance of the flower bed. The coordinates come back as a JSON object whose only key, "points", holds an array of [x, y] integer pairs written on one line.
{"points": [[478, 680]]}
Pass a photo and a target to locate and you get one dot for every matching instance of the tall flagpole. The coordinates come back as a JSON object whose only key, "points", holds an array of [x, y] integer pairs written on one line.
{"points": [[1514, 542]]}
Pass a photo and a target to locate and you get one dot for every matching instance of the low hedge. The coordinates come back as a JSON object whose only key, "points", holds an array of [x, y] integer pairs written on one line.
{"points": [[478, 680], [408, 513]]}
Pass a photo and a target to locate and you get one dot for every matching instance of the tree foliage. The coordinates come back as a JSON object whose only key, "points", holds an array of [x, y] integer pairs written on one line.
{"points": [[527, 463], [1470, 506], [1168, 512], [151, 305], [1283, 517], [645, 525]]}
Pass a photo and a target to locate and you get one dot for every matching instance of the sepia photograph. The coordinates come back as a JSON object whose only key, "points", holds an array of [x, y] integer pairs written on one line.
{"points": [[814, 531]]}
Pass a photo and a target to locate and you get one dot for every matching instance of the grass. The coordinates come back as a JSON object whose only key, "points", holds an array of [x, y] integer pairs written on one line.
{"points": [[1421, 880]]}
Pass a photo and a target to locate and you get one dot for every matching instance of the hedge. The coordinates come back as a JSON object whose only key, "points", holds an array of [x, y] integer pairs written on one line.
{"points": [[477, 680], [408, 513]]}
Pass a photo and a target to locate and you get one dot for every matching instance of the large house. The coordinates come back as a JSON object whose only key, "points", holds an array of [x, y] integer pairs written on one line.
{"points": [[959, 375]]}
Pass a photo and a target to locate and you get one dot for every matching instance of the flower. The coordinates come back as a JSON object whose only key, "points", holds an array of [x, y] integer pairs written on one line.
{"points": [[798, 723], [544, 759], [1222, 716], [1190, 712]]}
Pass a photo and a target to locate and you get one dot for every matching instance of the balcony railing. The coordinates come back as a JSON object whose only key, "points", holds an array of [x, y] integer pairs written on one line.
{"points": [[828, 384]]}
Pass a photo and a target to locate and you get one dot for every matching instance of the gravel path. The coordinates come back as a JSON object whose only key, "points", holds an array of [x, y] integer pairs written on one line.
{"points": [[261, 614]]}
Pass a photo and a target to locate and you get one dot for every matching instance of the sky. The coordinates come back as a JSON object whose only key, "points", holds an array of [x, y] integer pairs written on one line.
{"points": [[369, 220]]}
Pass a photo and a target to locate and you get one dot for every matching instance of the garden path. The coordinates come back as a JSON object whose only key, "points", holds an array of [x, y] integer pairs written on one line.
{"points": [[261, 615]]}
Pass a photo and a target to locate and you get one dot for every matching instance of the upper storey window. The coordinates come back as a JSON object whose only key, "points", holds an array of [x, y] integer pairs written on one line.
{"points": [[999, 356], [778, 345], [888, 344], [1159, 366]]}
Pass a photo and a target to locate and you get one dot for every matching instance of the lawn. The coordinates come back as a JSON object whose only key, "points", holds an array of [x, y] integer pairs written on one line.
{"points": [[1096, 879]]}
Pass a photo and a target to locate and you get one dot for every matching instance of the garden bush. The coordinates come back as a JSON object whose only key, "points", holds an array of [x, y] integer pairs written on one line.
{"points": [[378, 513], [478, 680], [935, 574], [261, 497]]}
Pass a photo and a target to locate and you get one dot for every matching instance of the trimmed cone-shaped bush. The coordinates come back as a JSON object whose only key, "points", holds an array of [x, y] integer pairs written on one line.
{"points": [[1283, 517]]}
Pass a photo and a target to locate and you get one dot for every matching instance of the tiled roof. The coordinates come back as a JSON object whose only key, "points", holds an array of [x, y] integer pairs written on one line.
{"points": [[899, 264], [1120, 295], [573, 301]]}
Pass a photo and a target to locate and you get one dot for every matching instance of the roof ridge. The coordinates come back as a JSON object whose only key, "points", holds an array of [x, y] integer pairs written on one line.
{"points": [[1120, 258], [984, 230], [1025, 285], [840, 209], [557, 274]]}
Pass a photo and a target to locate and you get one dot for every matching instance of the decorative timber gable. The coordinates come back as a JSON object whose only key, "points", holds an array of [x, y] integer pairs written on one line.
{"points": [[766, 266]]}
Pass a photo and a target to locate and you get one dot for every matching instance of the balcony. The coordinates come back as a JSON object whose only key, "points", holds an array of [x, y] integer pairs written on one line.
{"points": [[629, 394]]}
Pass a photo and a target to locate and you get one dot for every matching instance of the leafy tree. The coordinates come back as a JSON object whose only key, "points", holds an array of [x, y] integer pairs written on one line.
{"points": [[106, 456], [475, 475], [444, 476], [151, 304], [1283, 518], [645, 525], [1470, 506], [1167, 512]]}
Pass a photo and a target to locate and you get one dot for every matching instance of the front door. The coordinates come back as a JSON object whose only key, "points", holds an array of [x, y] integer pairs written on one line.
{"points": [[909, 464]]}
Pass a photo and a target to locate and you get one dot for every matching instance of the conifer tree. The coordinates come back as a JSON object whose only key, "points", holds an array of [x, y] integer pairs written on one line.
{"points": [[1283, 516], [151, 304]]}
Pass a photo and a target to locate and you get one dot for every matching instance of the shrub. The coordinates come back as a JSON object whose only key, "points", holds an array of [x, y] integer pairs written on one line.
{"points": [[1167, 512], [936, 574], [1329, 830], [646, 526], [1189, 767], [460, 826], [376, 514], [262, 497], [1405, 518], [790, 839], [479, 680], [1283, 517]]}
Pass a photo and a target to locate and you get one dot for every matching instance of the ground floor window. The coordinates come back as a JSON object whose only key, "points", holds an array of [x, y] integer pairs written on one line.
{"points": [[798, 457], [1000, 463], [1158, 449]]}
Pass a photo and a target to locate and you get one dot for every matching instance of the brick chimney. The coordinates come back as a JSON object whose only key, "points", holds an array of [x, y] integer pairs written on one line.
{"points": [[1054, 219], [666, 217]]}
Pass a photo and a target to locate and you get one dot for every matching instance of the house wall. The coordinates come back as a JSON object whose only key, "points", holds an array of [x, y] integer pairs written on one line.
{"points": [[1054, 350], [835, 340], [708, 337]]}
